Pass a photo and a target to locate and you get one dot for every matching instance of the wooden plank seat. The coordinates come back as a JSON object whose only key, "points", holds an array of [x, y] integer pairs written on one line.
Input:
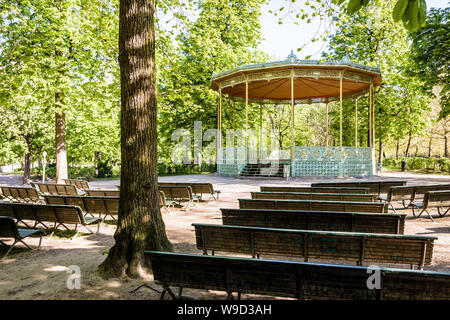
{"points": [[314, 189], [180, 194], [198, 188], [315, 205], [21, 194], [433, 199], [378, 187], [59, 215], [405, 194], [107, 206], [411, 193], [80, 184], [312, 244], [315, 196], [388, 223], [8, 229], [57, 189], [103, 193], [301, 280]]}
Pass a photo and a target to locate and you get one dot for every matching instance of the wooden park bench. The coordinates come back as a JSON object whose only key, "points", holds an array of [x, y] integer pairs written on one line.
{"points": [[103, 193], [59, 215], [107, 206], [8, 229], [80, 184], [314, 189], [388, 223], [312, 244], [433, 199], [58, 189], [164, 203], [314, 205], [197, 188], [180, 194], [21, 194], [315, 196], [301, 280], [411, 193], [377, 187]]}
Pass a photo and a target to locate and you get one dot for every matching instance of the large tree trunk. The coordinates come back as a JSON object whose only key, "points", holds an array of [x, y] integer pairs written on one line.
{"points": [[140, 224], [61, 151]]}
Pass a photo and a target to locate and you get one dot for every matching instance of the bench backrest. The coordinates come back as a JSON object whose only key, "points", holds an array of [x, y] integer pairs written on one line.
{"points": [[330, 245], [397, 193], [436, 199], [315, 196], [302, 280], [43, 212], [8, 228], [61, 189], [20, 193], [374, 186], [103, 193], [80, 184], [314, 205], [91, 204], [314, 189], [177, 193], [197, 187], [387, 223]]}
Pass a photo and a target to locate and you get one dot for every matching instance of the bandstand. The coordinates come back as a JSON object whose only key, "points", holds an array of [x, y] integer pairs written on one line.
{"points": [[293, 81]]}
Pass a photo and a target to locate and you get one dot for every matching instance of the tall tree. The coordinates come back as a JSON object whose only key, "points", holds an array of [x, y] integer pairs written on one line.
{"points": [[430, 52], [140, 225]]}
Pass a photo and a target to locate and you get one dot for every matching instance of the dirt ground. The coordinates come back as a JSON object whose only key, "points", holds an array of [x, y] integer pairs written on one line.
{"points": [[43, 273]]}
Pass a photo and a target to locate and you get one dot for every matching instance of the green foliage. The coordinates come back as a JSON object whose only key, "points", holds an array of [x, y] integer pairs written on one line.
{"points": [[371, 38], [430, 54], [426, 164], [66, 48], [225, 35]]}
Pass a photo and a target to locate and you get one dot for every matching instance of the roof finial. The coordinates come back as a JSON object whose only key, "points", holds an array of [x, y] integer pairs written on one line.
{"points": [[292, 57], [346, 58]]}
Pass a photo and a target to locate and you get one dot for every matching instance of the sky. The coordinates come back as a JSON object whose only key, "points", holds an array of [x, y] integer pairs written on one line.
{"points": [[280, 39]]}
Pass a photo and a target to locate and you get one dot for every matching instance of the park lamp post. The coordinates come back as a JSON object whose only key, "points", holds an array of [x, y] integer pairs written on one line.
{"points": [[44, 164]]}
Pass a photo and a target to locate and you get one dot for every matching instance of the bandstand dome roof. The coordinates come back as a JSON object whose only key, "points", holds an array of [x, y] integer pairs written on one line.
{"points": [[314, 80]]}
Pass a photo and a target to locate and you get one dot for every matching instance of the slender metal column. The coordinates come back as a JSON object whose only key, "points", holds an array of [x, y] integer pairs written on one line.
{"points": [[246, 117], [292, 115], [340, 113], [260, 130], [356, 122], [326, 133]]}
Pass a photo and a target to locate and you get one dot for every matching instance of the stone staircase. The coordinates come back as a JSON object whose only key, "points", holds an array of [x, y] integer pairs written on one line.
{"points": [[262, 170]]}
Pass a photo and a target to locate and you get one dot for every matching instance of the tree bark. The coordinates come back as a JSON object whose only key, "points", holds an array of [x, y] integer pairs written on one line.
{"points": [[397, 148], [446, 146], [380, 151], [60, 141], [140, 224], [408, 145], [27, 161], [430, 145]]}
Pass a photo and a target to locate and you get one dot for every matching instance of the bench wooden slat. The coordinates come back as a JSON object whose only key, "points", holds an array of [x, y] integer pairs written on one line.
{"points": [[300, 280], [331, 245], [314, 189], [316, 220], [315, 196], [315, 205], [374, 186]]}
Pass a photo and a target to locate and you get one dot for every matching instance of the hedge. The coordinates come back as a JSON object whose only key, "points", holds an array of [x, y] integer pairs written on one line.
{"points": [[428, 164]]}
